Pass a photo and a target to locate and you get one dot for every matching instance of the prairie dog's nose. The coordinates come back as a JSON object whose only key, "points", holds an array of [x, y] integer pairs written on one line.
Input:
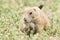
{"points": [[25, 20]]}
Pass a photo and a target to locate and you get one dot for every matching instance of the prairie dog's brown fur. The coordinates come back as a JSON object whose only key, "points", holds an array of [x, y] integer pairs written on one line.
{"points": [[36, 16]]}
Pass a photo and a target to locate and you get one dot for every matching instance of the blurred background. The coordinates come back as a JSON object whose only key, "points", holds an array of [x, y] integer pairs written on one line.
{"points": [[10, 12]]}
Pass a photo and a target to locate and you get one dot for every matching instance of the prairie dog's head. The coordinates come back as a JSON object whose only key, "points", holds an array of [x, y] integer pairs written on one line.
{"points": [[32, 12]]}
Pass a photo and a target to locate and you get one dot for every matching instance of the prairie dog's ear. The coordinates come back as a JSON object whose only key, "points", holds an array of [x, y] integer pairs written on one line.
{"points": [[41, 6]]}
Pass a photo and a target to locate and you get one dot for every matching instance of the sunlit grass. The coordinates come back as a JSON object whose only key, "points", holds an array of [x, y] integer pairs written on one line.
{"points": [[10, 11]]}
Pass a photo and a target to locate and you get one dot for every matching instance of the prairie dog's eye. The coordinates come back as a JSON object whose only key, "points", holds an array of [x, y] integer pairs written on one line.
{"points": [[30, 13]]}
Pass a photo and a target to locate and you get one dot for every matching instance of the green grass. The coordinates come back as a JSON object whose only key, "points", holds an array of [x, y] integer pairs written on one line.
{"points": [[10, 13]]}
